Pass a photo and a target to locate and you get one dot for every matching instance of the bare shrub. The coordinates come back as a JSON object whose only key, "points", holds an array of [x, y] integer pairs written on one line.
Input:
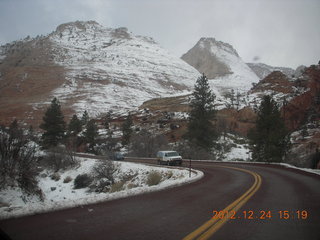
{"points": [[67, 179], [106, 169], [128, 176], [101, 185], [56, 177], [154, 178], [145, 144], [190, 151], [17, 160], [82, 181], [59, 158], [104, 175]]}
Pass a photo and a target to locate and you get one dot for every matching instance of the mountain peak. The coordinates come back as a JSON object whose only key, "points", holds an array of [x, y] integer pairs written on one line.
{"points": [[211, 43], [80, 25], [220, 61]]}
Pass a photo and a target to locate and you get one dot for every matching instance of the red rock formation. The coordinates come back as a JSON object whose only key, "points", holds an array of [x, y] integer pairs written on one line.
{"points": [[239, 122], [276, 82], [305, 107]]}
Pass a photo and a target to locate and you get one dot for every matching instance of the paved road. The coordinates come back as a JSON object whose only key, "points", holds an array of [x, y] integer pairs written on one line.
{"points": [[175, 213]]}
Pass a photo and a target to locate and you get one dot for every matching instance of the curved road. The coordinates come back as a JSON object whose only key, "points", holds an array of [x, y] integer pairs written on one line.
{"points": [[291, 196]]}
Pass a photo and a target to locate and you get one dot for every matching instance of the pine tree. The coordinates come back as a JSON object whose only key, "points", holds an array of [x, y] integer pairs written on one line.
{"points": [[74, 126], [127, 130], [106, 120], [268, 140], [53, 125], [14, 129], [85, 118], [91, 133], [201, 131]]}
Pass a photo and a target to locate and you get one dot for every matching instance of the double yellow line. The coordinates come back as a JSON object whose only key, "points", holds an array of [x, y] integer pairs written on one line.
{"points": [[210, 227]]}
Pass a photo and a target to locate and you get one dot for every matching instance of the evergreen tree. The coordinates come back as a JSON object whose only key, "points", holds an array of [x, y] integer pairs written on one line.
{"points": [[85, 118], [31, 134], [106, 120], [53, 125], [127, 130], [74, 126], [14, 125], [201, 131], [14, 129], [91, 133], [268, 140]]}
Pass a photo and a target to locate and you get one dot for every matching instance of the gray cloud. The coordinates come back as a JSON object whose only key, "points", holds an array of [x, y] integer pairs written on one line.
{"points": [[279, 32]]}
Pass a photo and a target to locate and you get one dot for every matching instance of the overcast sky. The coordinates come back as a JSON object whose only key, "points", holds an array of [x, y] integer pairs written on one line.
{"points": [[276, 32]]}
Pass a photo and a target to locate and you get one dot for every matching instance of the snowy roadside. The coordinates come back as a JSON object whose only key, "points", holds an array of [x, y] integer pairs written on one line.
{"points": [[315, 171], [286, 165], [59, 194]]}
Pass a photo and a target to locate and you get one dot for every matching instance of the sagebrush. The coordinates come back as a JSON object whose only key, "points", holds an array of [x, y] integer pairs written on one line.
{"points": [[82, 181], [154, 178]]}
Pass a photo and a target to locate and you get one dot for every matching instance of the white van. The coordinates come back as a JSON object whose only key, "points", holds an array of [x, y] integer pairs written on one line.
{"points": [[169, 158]]}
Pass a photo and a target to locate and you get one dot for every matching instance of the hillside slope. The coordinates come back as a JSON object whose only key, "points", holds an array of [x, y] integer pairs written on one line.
{"points": [[88, 67]]}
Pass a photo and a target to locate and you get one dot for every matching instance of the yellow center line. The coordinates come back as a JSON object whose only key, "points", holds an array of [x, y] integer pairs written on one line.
{"points": [[210, 227]]}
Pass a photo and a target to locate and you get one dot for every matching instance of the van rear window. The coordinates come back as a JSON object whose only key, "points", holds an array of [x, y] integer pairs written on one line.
{"points": [[172, 154]]}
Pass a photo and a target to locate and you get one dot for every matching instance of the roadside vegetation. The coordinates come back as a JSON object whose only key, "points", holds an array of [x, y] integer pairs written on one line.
{"points": [[201, 135], [269, 140], [18, 163]]}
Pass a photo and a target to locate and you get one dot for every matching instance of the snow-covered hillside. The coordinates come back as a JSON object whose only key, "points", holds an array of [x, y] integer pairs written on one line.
{"points": [[113, 69], [236, 75]]}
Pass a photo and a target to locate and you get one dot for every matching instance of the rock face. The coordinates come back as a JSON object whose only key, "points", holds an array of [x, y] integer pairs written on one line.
{"points": [[88, 67], [305, 108], [276, 82], [221, 63], [205, 61], [262, 70], [236, 121]]}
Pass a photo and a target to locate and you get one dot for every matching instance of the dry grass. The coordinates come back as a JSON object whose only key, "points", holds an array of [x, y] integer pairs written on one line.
{"points": [[132, 185], [116, 187], [67, 179], [169, 104], [154, 178]]}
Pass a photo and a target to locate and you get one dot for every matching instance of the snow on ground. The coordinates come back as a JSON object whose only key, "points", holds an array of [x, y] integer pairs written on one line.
{"points": [[237, 153], [60, 195], [237, 148], [315, 171]]}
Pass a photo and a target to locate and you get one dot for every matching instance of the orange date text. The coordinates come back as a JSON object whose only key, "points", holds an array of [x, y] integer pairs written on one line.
{"points": [[260, 215]]}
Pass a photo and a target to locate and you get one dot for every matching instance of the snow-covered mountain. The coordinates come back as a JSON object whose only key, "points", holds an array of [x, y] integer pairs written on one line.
{"points": [[113, 68], [221, 63], [262, 70], [97, 69]]}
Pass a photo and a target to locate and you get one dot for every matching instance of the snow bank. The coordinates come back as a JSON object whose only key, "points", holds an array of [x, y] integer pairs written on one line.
{"points": [[60, 195], [286, 165]]}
